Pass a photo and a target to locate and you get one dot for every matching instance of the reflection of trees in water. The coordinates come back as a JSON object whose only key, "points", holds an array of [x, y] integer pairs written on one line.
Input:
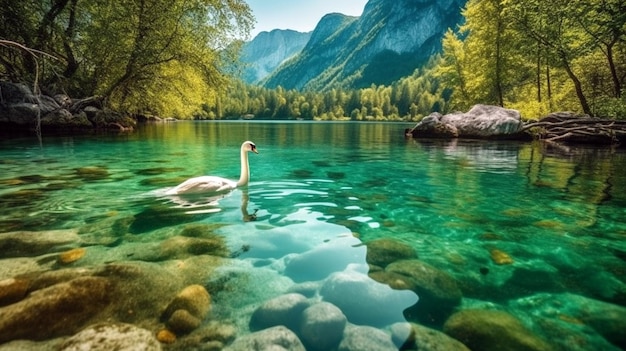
{"points": [[586, 176]]}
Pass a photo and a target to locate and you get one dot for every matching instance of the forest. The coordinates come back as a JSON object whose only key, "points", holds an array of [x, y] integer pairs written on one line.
{"points": [[169, 58]]}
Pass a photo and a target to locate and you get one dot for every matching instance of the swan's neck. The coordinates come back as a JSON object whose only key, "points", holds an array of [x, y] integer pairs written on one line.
{"points": [[244, 178]]}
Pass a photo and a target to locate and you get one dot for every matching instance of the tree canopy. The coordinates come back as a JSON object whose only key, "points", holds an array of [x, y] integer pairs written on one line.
{"points": [[143, 56]]}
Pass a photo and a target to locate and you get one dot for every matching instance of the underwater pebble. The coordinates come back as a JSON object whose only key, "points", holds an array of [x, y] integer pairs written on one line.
{"points": [[165, 336], [12, 290], [194, 299], [181, 321], [500, 257], [71, 255], [275, 338]]}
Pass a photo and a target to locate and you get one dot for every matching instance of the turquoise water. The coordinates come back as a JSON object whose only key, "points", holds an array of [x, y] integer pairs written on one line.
{"points": [[520, 227]]}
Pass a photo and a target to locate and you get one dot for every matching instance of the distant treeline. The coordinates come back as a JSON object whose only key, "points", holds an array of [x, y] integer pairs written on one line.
{"points": [[408, 99]]}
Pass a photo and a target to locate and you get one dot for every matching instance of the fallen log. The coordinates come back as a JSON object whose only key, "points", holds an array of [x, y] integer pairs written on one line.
{"points": [[564, 127]]}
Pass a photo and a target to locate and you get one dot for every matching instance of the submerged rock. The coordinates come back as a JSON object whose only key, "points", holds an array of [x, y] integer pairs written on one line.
{"points": [[365, 338], [72, 255], [61, 309], [29, 244], [410, 336], [569, 318], [382, 252], [439, 292], [322, 325], [275, 338], [107, 337], [282, 310], [12, 290], [492, 330]]}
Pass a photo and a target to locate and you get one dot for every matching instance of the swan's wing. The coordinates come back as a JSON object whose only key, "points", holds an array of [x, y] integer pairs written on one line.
{"points": [[205, 184]]}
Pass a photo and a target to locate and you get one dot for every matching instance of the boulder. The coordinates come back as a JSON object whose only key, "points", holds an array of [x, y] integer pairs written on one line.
{"points": [[481, 121], [410, 336], [432, 127], [106, 337], [186, 312], [438, 291], [322, 325], [275, 338], [382, 252], [365, 338], [282, 310], [58, 310], [493, 330]]}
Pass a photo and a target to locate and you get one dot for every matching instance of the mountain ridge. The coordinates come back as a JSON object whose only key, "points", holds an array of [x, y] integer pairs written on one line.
{"points": [[387, 42]]}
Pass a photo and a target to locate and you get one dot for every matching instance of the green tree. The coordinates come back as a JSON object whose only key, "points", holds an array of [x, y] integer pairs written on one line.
{"points": [[158, 56]]}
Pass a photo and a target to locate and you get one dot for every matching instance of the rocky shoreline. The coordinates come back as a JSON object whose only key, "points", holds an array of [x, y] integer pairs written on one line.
{"points": [[498, 123], [23, 112]]}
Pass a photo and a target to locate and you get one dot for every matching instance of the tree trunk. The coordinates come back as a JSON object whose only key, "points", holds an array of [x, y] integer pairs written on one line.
{"points": [[577, 85]]}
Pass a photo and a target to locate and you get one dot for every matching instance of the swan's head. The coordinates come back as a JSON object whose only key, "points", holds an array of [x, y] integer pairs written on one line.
{"points": [[249, 146]]}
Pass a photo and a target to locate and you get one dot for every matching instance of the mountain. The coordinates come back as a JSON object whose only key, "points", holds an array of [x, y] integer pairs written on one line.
{"points": [[388, 41], [268, 50]]}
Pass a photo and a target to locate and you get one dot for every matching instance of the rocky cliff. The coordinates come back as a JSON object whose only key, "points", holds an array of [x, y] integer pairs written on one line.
{"points": [[388, 41], [268, 50]]}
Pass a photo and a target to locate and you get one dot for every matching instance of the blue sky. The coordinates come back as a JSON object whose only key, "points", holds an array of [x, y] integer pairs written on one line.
{"points": [[300, 15]]}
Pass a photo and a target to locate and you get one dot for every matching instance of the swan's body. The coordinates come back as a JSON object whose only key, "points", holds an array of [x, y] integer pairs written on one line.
{"points": [[213, 184]]}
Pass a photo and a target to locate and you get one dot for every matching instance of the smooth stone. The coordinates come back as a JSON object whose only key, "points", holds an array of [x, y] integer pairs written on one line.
{"points": [[107, 337], [181, 246], [182, 322], [382, 252], [166, 336], [212, 336], [282, 310], [438, 291], [277, 338], [366, 301], [46, 313], [322, 326], [30, 244], [493, 330], [411, 336], [72, 255], [365, 338], [194, 299], [12, 290]]}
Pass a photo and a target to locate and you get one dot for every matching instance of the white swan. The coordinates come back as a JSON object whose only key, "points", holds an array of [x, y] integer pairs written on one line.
{"points": [[213, 184]]}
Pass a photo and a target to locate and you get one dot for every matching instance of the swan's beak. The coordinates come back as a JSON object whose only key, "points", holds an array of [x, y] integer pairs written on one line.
{"points": [[254, 149]]}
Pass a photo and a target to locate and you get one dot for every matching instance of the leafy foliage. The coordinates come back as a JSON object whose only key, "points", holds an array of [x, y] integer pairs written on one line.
{"points": [[144, 56]]}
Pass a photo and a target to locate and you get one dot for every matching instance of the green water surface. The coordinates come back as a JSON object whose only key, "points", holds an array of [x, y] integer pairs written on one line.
{"points": [[521, 227]]}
